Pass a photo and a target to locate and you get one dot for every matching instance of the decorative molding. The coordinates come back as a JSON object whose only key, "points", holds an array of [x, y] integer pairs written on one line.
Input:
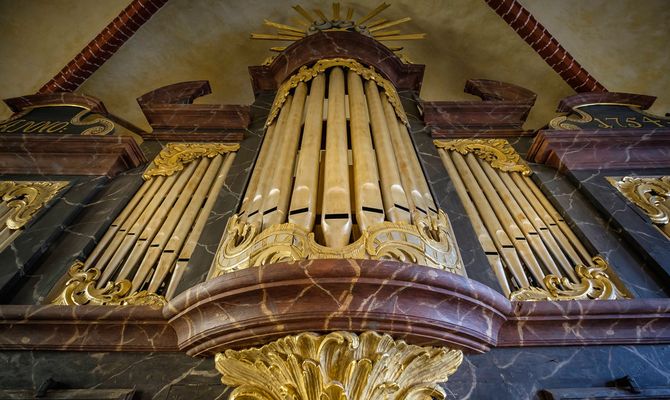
{"points": [[27, 198], [81, 290], [497, 152], [172, 114], [306, 74], [69, 154], [551, 51], [502, 111], [338, 366], [651, 194], [426, 242], [589, 98], [602, 149], [25, 103], [175, 155], [594, 284], [103, 46]]}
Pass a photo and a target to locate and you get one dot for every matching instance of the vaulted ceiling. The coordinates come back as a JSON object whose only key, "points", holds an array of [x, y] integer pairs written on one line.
{"points": [[624, 44]]}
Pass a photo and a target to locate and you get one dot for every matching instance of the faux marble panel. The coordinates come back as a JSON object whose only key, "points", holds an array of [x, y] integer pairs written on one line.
{"points": [[155, 376], [95, 209], [474, 259], [595, 232], [502, 374], [628, 219], [230, 195], [21, 258], [514, 374]]}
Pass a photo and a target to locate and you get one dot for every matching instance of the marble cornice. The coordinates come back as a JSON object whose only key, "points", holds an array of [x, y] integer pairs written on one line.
{"points": [[422, 305]]}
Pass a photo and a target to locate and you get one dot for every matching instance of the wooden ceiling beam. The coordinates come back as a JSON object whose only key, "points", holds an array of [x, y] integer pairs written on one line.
{"points": [[103, 46], [551, 51]]}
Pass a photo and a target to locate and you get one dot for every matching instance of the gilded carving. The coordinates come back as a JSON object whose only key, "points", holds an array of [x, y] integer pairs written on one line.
{"points": [[425, 242], [175, 155], [338, 366], [102, 126], [651, 194], [305, 74], [594, 284], [497, 152], [81, 290], [26, 198], [567, 122]]}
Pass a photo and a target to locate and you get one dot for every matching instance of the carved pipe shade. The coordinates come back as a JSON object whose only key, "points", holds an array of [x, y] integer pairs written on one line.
{"points": [[142, 256], [534, 254], [337, 177]]}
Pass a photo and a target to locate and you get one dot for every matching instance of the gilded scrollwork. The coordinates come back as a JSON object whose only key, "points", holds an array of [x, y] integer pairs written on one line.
{"points": [[102, 126], [338, 366], [175, 155], [567, 122], [497, 152], [26, 198], [651, 194], [594, 284], [305, 74], [427, 241], [81, 290]]}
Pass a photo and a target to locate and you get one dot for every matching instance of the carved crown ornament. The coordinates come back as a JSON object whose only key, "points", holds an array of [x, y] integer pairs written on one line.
{"points": [[312, 23], [338, 366]]}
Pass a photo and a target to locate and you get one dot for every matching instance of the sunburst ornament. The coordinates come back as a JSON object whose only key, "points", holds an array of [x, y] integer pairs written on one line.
{"points": [[312, 23]]}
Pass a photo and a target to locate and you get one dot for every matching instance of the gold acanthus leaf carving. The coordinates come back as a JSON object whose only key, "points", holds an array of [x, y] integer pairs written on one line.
{"points": [[427, 242], [497, 152], [175, 155], [594, 284], [306, 74], [26, 198], [81, 290], [338, 366], [651, 194]]}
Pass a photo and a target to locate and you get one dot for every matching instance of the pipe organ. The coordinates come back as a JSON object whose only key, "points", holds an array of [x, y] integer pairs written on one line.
{"points": [[337, 177], [526, 241], [303, 249], [142, 256]]}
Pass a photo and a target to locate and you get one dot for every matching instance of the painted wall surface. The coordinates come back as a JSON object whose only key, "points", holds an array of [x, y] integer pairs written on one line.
{"points": [[621, 43]]}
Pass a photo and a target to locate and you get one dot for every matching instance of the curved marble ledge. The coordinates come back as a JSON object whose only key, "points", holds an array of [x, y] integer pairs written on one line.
{"points": [[422, 305], [566, 323], [85, 328], [337, 44]]}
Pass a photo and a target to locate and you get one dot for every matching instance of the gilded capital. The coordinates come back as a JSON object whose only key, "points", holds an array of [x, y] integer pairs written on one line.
{"points": [[338, 366]]}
